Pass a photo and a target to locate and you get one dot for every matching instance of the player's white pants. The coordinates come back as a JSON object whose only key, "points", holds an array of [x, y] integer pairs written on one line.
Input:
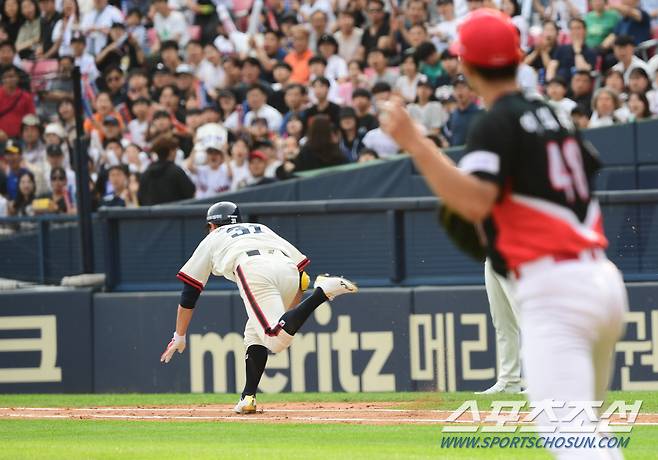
{"points": [[505, 317], [571, 318], [268, 285]]}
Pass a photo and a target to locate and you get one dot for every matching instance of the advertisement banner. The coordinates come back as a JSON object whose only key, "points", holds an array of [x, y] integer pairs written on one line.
{"points": [[45, 341], [395, 339]]}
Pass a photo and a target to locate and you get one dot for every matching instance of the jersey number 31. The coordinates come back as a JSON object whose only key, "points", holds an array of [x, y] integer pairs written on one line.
{"points": [[565, 169], [243, 230]]}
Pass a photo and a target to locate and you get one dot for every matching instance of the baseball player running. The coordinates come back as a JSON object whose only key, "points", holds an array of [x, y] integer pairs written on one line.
{"points": [[530, 171], [269, 272]]}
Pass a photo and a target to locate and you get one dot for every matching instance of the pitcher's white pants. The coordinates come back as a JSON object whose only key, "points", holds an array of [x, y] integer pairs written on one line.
{"points": [[505, 318], [571, 318], [268, 284]]}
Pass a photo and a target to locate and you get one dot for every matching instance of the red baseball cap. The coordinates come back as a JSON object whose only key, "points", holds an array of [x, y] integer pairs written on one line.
{"points": [[257, 154], [488, 38]]}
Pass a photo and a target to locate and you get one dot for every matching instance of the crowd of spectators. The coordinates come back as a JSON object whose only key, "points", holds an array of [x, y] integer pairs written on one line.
{"points": [[190, 98]]}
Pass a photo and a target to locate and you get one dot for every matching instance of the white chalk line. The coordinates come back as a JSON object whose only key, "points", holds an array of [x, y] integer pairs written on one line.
{"points": [[275, 409], [248, 418], [24, 412], [236, 417], [205, 409], [216, 409]]}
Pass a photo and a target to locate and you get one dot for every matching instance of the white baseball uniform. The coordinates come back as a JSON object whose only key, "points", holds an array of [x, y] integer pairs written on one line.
{"points": [[263, 265], [546, 231], [505, 318], [571, 318]]}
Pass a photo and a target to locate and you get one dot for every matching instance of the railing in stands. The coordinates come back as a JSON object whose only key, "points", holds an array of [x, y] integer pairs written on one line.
{"points": [[378, 242]]}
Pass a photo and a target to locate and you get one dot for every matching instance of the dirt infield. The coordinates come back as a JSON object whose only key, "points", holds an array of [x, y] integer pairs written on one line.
{"points": [[342, 413]]}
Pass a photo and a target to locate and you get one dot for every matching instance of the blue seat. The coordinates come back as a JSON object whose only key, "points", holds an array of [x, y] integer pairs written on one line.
{"points": [[616, 178]]}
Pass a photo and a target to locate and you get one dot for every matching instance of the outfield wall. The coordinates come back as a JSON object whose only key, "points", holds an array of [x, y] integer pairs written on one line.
{"points": [[394, 339]]}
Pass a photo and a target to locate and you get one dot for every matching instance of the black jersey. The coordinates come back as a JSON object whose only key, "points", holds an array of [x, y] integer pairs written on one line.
{"points": [[545, 172]]}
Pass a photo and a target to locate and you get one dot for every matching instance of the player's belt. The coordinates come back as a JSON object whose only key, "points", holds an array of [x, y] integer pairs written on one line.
{"points": [[539, 264], [256, 252]]}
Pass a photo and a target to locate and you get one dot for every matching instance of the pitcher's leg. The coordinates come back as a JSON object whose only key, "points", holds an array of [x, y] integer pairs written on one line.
{"points": [[557, 363], [603, 358], [563, 315], [604, 348], [612, 330], [556, 359]]}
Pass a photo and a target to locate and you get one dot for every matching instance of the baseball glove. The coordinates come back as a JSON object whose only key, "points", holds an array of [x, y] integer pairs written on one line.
{"points": [[466, 236]]}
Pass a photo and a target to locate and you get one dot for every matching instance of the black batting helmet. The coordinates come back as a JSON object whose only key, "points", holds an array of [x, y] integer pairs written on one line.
{"points": [[223, 213]]}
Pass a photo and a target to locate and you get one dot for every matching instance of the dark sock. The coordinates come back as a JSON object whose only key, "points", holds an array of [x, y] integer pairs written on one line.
{"points": [[255, 361], [293, 319]]}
